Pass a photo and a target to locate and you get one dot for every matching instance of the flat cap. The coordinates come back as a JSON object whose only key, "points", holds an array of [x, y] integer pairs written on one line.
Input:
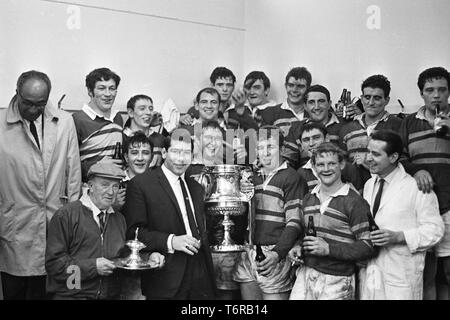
{"points": [[106, 170]]}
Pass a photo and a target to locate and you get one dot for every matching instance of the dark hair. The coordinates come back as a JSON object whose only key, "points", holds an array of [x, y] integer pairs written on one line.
{"points": [[33, 74], [299, 73], [327, 147], [211, 91], [132, 102], [269, 131], [253, 76], [394, 143], [101, 74], [137, 139], [221, 72], [309, 126], [318, 88], [377, 81], [179, 134], [432, 73]]}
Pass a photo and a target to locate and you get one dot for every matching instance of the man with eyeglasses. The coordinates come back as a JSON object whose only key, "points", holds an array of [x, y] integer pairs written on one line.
{"points": [[99, 127], [40, 171]]}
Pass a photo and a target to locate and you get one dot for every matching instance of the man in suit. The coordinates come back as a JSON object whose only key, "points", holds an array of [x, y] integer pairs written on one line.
{"points": [[168, 209]]}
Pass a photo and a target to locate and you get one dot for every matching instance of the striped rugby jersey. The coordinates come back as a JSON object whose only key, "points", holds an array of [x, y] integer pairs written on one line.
{"points": [[350, 174], [281, 116], [97, 136], [343, 222], [426, 151], [278, 208], [354, 135]]}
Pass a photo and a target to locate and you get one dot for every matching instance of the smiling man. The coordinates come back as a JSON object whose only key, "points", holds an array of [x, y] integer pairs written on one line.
{"points": [[297, 81], [84, 238], [341, 220], [278, 193], [223, 80], [408, 220], [245, 114], [99, 128], [318, 108], [141, 115], [168, 209], [354, 136], [312, 135]]}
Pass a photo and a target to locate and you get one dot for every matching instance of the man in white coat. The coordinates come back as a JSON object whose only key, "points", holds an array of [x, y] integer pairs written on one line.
{"points": [[408, 220]]}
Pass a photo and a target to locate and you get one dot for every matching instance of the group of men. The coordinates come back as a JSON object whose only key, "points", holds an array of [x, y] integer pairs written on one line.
{"points": [[344, 207]]}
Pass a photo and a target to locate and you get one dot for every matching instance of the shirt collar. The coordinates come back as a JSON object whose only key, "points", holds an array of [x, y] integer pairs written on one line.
{"points": [[343, 191], [332, 120], [361, 117], [93, 114], [300, 116], [283, 166], [87, 202], [172, 177], [127, 177], [308, 165], [388, 179]]}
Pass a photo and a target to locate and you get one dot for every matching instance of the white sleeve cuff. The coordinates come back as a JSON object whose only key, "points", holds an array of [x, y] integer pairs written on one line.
{"points": [[169, 244], [412, 240]]}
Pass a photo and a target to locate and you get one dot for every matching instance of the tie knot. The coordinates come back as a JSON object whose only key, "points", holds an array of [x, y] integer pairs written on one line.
{"points": [[101, 215]]}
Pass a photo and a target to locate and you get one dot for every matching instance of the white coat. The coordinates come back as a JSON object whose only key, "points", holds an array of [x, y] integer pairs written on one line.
{"points": [[34, 183], [397, 272]]}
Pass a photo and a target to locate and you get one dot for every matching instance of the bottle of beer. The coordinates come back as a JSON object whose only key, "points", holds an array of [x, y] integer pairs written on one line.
{"points": [[118, 151], [311, 230], [259, 253], [343, 99], [440, 130], [343, 96]]}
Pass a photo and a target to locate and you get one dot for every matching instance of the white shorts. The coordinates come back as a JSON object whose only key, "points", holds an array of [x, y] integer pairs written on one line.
{"points": [[281, 279], [315, 285], [442, 249]]}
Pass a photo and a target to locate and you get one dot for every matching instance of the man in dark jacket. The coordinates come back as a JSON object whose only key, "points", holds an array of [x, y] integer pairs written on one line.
{"points": [[84, 237]]}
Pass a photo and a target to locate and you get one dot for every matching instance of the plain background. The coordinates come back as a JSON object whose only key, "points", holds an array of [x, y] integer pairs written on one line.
{"points": [[168, 48]]}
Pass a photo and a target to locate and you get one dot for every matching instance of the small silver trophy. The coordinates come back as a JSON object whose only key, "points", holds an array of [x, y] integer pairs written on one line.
{"points": [[134, 260]]}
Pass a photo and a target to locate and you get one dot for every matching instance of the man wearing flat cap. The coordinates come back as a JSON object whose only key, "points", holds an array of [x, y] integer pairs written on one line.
{"points": [[84, 237]]}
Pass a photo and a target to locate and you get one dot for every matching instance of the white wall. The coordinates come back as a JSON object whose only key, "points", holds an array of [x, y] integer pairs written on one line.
{"points": [[167, 48], [163, 48], [331, 38]]}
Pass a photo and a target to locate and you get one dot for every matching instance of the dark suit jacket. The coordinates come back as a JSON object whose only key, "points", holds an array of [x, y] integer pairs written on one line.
{"points": [[152, 206]]}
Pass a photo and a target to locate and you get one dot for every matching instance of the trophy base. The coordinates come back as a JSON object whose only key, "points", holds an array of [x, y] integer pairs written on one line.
{"points": [[132, 266], [229, 248]]}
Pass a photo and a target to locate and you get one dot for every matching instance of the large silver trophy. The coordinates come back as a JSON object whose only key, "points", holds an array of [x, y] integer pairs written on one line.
{"points": [[227, 208]]}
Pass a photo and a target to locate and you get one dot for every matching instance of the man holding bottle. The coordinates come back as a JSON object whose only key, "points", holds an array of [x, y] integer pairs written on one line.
{"points": [[341, 220], [409, 225], [426, 158], [278, 193]]}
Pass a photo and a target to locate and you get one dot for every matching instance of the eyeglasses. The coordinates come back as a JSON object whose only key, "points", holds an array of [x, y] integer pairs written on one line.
{"points": [[40, 104]]}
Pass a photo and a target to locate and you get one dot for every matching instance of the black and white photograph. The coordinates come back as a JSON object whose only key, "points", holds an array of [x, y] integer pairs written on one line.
{"points": [[213, 157]]}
